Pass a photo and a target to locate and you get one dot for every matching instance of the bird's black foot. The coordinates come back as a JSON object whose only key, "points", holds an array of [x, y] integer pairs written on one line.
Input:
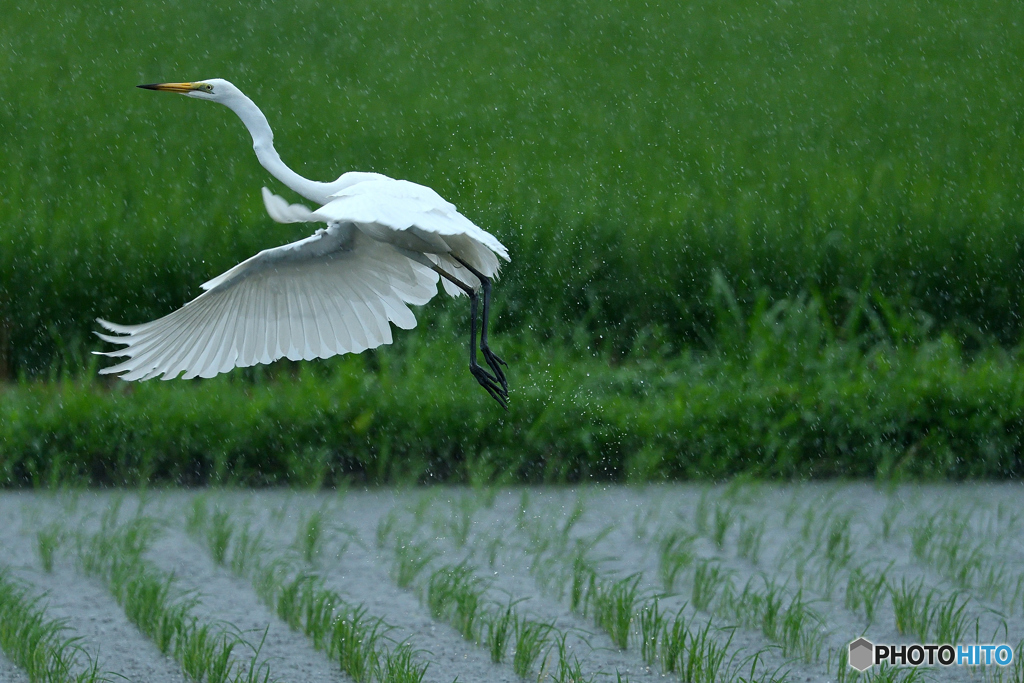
{"points": [[491, 384], [495, 363]]}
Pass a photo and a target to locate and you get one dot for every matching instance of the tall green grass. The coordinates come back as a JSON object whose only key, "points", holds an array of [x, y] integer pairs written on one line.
{"points": [[790, 398], [624, 151]]}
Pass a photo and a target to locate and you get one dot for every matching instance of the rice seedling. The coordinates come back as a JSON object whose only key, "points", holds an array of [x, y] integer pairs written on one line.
{"points": [[652, 624], [246, 551], [583, 577], [454, 594], [702, 514], [411, 558], [531, 641], [386, 528], [949, 620], [800, 630], [708, 579], [675, 554], [500, 628], [206, 655], [911, 608], [492, 548], [890, 515], [776, 675], [400, 665], [579, 508], [37, 643], [218, 531], [310, 534], [48, 540], [864, 591], [195, 518], [837, 541], [355, 643], [705, 658], [568, 670], [673, 641], [725, 515], [749, 541], [459, 522], [613, 605]]}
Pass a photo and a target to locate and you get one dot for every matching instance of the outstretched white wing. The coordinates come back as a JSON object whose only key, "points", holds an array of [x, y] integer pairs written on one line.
{"points": [[331, 293]]}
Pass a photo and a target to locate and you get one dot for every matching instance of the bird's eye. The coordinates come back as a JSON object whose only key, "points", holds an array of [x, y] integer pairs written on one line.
{"points": [[206, 87]]}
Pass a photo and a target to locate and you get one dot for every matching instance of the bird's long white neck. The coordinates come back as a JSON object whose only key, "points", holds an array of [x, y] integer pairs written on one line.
{"points": [[263, 144]]}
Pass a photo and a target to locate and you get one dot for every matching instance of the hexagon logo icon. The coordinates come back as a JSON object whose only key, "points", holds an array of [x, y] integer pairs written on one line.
{"points": [[861, 654]]}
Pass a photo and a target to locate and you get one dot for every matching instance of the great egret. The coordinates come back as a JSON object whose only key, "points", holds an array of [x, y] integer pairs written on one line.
{"points": [[385, 245]]}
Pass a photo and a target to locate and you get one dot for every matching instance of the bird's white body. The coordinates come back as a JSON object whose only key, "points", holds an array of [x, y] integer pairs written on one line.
{"points": [[337, 291]]}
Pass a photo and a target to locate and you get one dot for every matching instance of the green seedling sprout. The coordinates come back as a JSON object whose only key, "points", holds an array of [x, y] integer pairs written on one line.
{"points": [[675, 554], [864, 592], [310, 535], [531, 641], [218, 533], [48, 540], [749, 542]]}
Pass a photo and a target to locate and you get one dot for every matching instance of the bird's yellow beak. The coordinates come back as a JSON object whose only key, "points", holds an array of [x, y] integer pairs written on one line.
{"points": [[172, 87]]}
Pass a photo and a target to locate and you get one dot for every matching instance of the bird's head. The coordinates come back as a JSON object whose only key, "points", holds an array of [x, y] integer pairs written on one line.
{"points": [[213, 89]]}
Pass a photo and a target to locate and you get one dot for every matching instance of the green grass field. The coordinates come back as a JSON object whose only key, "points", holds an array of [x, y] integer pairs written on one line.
{"points": [[660, 171]]}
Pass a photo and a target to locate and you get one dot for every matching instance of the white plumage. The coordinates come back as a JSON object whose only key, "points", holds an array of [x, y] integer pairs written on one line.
{"points": [[337, 291]]}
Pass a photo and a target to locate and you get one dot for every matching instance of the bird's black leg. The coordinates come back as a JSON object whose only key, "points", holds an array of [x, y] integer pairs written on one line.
{"points": [[498, 392], [493, 360]]}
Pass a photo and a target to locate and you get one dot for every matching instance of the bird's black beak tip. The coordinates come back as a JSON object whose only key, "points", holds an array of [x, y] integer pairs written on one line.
{"points": [[148, 86]]}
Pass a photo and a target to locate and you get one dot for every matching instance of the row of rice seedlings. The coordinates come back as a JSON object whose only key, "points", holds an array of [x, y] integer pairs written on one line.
{"points": [[145, 593], [925, 614], [865, 591], [37, 643], [949, 543], [699, 655], [828, 534], [618, 608], [454, 594], [789, 621], [610, 603], [344, 632]]}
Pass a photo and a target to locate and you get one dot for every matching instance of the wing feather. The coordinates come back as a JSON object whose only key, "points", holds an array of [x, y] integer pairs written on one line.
{"points": [[335, 292]]}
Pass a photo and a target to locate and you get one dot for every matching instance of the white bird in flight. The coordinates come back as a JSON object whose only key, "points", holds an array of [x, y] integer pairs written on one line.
{"points": [[385, 245]]}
